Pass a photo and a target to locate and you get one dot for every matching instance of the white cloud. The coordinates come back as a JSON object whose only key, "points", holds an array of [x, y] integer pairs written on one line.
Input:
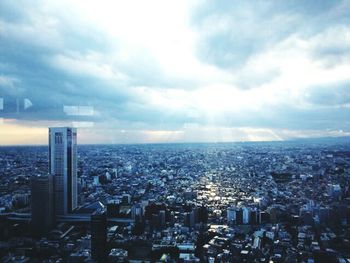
{"points": [[90, 65], [8, 81]]}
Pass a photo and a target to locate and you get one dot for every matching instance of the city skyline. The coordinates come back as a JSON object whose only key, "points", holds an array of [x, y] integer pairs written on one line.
{"points": [[175, 131], [174, 72], [246, 202]]}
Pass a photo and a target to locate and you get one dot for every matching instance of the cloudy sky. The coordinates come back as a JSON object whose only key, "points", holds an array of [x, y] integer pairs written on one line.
{"points": [[174, 71]]}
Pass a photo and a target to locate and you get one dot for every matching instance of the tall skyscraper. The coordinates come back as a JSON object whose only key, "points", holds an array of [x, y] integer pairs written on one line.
{"points": [[231, 214], [42, 204], [63, 167], [99, 236]]}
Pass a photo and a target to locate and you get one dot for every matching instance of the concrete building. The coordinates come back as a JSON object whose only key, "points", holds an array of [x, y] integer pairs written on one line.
{"points": [[63, 166], [99, 236], [42, 204]]}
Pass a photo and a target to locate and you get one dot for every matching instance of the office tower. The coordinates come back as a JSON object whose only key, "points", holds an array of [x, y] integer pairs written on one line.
{"points": [[231, 214], [162, 220], [306, 216], [334, 191], [324, 215], [136, 213], [253, 216], [155, 222], [96, 181], [190, 219], [20, 200], [264, 217], [246, 215], [239, 216], [273, 215], [63, 166], [99, 236], [42, 204], [195, 212], [203, 214], [113, 208], [126, 199]]}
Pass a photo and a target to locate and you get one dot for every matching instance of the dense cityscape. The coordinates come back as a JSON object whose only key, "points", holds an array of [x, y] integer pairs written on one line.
{"points": [[215, 202]]}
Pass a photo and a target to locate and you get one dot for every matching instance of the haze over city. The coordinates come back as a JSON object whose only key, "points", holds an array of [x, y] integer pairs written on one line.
{"points": [[182, 71]]}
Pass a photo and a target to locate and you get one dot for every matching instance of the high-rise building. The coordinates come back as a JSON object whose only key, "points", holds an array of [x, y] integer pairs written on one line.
{"points": [[42, 204], [113, 207], [162, 219], [246, 215], [203, 214], [136, 213], [239, 216], [253, 216], [190, 219], [334, 191], [63, 167], [99, 236], [231, 214]]}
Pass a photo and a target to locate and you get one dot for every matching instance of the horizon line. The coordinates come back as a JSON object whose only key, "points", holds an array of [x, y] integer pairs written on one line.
{"points": [[199, 142]]}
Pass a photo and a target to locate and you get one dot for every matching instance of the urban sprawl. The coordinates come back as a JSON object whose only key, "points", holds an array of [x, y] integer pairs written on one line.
{"points": [[219, 202]]}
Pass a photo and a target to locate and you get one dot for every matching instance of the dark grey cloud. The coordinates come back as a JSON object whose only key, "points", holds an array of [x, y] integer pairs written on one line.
{"points": [[49, 88], [332, 54], [284, 117], [330, 95], [234, 31]]}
